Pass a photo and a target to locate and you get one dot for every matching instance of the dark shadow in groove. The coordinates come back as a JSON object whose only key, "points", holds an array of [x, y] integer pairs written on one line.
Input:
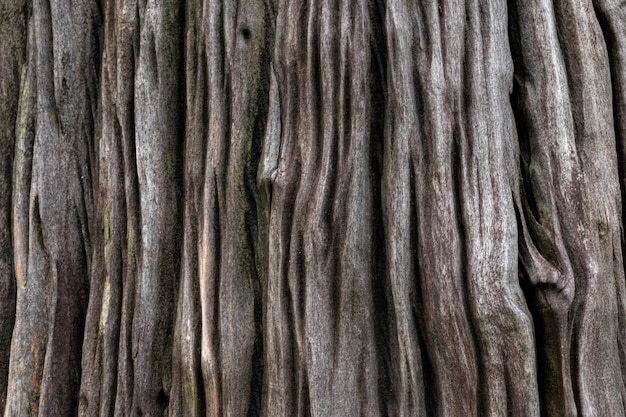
{"points": [[540, 342], [256, 382], [417, 306], [380, 285], [253, 222]]}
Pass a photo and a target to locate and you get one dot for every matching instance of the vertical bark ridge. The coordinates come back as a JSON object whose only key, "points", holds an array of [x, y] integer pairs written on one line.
{"points": [[574, 185], [611, 15], [126, 26], [585, 55], [13, 36], [59, 203], [317, 208], [112, 243], [231, 48], [107, 383], [612, 18], [238, 291], [187, 396], [401, 128], [159, 105], [22, 396], [286, 393], [320, 191], [208, 249], [497, 307], [212, 41], [550, 164], [440, 238]]}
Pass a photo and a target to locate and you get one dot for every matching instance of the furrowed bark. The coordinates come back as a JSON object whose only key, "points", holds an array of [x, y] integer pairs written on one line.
{"points": [[52, 209], [474, 125], [440, 245], [320, 208], [21, 184], [399, 210], [187, 396], [573, 206], [597, 355], [158, 135], [321, 314], [106, 363], [13, 19], [507, 376], [231, 61], [611, 17]]}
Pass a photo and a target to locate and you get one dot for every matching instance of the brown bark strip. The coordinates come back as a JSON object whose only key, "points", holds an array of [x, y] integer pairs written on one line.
{"points": [[21, 231], [321, 318], [226, 63], [187, 396]]}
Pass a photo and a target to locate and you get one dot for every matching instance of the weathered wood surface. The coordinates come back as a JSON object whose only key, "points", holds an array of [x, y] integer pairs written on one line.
{"points": [[12, 56], [322, 208]]}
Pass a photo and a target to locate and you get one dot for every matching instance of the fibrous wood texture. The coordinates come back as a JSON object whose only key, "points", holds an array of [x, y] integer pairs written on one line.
{"points": [[312, 208]]}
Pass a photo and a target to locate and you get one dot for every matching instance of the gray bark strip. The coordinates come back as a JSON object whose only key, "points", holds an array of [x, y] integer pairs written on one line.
{"points": [[312, 208], [548, 157], [323, 358], [225, 66], [596, 353], [187, 396], [498, 311], [56, 198], [571, 159], [116, 231], [611, 16], [440, 241], [399, 214], [22, 340], [159, 127], [13, 35]]}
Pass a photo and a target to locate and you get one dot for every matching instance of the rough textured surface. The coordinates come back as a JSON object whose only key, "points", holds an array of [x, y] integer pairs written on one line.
{"points": [[53, 207], [312, 208], [13, 17]]}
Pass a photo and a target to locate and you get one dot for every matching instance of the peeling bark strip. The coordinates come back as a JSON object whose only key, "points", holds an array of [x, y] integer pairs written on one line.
{"points": [[312, 208]]}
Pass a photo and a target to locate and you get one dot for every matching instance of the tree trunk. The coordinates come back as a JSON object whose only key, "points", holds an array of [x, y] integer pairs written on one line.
{"points": [[331, 208]]}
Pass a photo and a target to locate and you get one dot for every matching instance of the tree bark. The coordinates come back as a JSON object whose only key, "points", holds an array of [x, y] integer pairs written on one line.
{"points": [[322, 208], [12, 55]]}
